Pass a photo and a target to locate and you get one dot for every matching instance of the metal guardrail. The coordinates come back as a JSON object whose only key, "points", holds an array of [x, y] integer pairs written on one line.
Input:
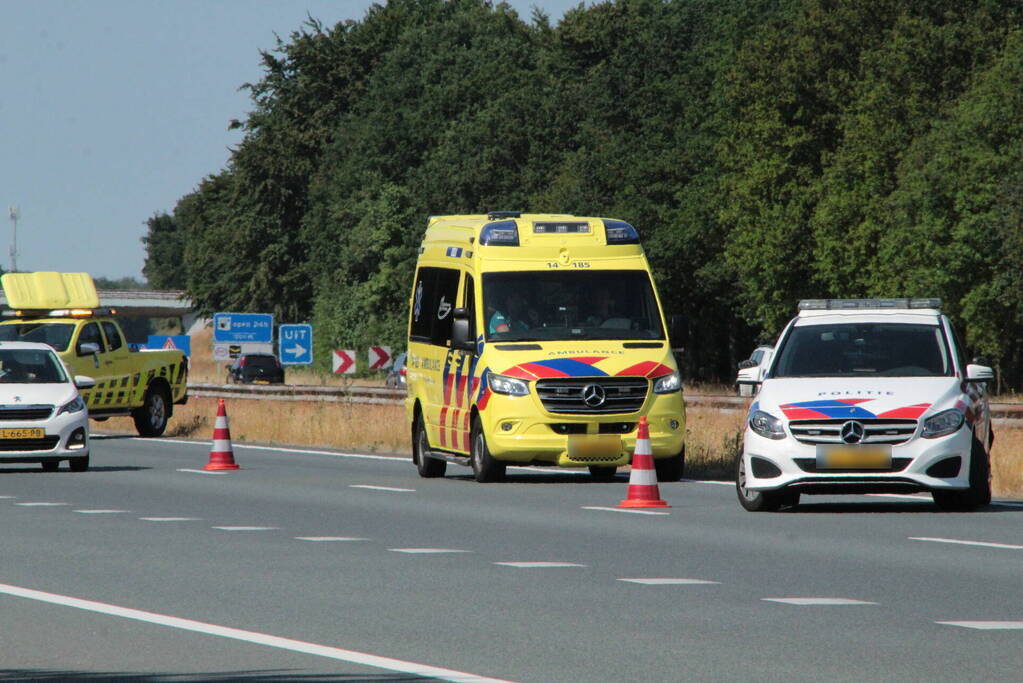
{"points": [[1000, 412]]}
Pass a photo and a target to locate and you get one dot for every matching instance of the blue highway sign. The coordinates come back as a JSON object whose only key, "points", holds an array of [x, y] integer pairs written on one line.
{"points": [[232, 328], [181, 342], [295, 344]]}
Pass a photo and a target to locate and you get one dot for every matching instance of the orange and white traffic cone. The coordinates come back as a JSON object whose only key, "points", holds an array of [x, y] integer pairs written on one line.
{"points": [[643, 491], [221, 455]]}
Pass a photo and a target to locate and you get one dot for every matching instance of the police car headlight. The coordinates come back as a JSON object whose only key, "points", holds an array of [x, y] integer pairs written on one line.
{"points": [[501, 384], [944, 423], [74, 406], [668, 384], [766, 425]]}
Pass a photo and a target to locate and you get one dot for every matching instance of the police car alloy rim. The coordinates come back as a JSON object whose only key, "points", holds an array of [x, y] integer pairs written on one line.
{"points": [[746, 493]]}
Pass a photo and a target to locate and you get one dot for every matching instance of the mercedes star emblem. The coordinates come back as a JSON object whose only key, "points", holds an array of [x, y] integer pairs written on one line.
{"points": [[593, 395], [852, 432]]}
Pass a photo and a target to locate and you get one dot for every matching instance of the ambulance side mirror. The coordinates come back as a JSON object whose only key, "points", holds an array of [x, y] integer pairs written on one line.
{"points": [[460, 333]]}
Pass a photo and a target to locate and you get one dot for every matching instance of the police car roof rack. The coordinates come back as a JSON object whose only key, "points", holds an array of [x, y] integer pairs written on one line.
{"points": [[872, 304], [498, 215]]}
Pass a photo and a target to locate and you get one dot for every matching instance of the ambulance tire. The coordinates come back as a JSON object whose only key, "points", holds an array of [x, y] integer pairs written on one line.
{"points": [[426, 466], [484, 467], [602, 472], [671, 469], [151, 418]]}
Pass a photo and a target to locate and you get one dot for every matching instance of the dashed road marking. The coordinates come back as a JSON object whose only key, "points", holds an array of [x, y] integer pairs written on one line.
{"points": [[169, 519], [41, 505], [329, 538], [194, 471], [7, 497], [986, 625], [539, 565], [381, 488], [818, 601], [958, 541], [245, 528], [100, 512], [670, 582], [631, 512], [427, 551], [303, 647]]}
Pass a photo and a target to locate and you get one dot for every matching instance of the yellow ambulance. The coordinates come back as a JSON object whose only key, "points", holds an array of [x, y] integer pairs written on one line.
{"points": [[538, 339]]}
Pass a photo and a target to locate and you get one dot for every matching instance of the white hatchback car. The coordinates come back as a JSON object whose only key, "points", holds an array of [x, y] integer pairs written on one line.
{"points": [[43, 419], [868, 396]]}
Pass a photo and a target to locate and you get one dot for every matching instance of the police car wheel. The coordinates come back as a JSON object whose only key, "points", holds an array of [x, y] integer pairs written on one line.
{"points": [[484, 467], [426, 466], [754, 501], [151, 418], [50, 465], [979, 492], [670, 469], [79, 463]]}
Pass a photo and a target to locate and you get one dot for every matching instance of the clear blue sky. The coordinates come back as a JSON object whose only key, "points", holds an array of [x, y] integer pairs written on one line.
{"points": [[112, 110]]}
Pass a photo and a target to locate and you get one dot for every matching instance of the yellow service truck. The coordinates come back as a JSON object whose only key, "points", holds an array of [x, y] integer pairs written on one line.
{"points": [[62, 310]]}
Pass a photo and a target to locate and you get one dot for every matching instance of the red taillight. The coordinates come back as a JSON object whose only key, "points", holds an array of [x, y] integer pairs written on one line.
{"points": [[402, 372], [241, 363]]}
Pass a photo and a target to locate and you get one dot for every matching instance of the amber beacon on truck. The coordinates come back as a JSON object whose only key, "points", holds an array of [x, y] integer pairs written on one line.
{"points": [[538, 339], [62, 310]]}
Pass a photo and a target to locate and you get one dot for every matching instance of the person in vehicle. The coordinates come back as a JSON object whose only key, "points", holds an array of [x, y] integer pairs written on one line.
{"points": [[513, 315]]}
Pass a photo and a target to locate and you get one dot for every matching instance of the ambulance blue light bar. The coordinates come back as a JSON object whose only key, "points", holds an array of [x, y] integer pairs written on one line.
{"points": [[500, 233], [872, 304], [620, 232]]}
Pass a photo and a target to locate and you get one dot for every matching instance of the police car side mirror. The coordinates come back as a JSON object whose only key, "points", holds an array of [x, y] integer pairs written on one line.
{"points": [[979, 373], [748, 363], [460, 331]]}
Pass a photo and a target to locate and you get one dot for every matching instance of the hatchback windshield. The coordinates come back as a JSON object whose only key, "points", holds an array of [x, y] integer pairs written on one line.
{"points": [[30, 366], [548, 306], [864, 350], [57, 335]]}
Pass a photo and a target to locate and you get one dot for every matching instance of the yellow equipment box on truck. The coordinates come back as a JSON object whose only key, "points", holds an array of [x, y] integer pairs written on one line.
{"points": [[538, 340], [62, 310]]}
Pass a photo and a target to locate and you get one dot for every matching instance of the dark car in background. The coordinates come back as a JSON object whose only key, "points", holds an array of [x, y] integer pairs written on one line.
{"points": [[260, 368], [396, 373]]}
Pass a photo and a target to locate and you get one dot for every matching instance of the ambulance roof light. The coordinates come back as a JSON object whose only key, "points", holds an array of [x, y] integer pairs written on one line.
{"points": [[620, 232], [500, 233]]}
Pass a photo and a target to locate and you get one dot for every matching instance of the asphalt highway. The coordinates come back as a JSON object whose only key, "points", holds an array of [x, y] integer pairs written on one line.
{"points": [[324, 566]]}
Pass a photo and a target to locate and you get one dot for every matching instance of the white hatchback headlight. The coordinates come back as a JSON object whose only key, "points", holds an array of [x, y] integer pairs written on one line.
{"points": [[75, 405], [668, 384], [944, 423]]}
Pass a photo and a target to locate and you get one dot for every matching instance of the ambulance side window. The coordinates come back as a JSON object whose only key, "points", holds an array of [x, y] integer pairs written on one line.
{"points": [[469, 303], [433, 300]]}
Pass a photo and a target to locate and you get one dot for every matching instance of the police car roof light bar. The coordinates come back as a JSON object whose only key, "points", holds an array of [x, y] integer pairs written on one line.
{"points": [[872, 304]]}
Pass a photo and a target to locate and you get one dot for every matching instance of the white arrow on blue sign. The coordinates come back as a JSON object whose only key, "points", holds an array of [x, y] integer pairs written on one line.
{"points": [[295, 344]]}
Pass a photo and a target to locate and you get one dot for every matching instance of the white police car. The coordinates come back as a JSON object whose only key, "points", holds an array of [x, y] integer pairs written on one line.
{"points": [[42, 417], [868, 396]]}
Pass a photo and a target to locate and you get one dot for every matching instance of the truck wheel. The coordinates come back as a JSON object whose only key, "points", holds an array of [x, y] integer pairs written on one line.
{"points": [[151, 418], [484, 467], [79, 463], [754, 501], [670, 469], [428, 467]]}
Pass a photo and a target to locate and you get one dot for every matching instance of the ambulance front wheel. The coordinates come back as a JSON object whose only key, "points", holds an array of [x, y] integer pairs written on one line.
{"points": [[671, 469], [428, 467], [484, 467]]}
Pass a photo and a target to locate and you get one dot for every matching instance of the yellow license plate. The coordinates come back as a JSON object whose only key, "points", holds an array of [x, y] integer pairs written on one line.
{"points": [[22, 433], [854, 458], [594, 446]]}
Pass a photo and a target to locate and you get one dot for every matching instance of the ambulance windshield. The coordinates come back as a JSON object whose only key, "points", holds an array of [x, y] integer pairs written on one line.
{"points": [[570, 305]]}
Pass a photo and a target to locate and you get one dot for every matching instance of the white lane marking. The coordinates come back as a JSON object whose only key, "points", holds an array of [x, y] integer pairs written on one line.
{"points": [[670, 582], [333, 454], [708, 481], [921, 497], [7, 497], [329, 538], [40, 505], [303, 647], [818, 601], [426, 551], [381, 488], [100, 512], [1007, 504], [245, 528], [535, 565], [957, 541], [169, 519], [631, 512], [986, 625], [191, 471]]}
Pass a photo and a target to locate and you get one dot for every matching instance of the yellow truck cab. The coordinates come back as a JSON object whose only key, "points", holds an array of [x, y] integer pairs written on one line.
{"points": [[538, 339], [62, 310]]}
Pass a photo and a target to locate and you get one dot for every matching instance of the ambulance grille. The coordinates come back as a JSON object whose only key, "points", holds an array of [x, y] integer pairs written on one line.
{"points": [[567, 395], [879, 430], [25, 412]]}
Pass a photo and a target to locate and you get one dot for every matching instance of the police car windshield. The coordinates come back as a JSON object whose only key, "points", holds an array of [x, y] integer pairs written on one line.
{"points": [[30, 366], [57, 335], [864, 350], [570, 305]]}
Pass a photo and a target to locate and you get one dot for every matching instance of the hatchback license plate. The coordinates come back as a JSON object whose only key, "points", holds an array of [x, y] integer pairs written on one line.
{"points": [[32, 433], [854, 457]]}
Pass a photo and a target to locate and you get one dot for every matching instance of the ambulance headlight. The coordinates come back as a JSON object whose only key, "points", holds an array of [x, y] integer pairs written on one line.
{"points": [[766, 425], [510, 386], [668, 384]]}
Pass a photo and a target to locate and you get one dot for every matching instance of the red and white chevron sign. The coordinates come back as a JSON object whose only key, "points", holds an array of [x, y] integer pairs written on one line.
{"points": [[343, 362], [379, 357]]}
